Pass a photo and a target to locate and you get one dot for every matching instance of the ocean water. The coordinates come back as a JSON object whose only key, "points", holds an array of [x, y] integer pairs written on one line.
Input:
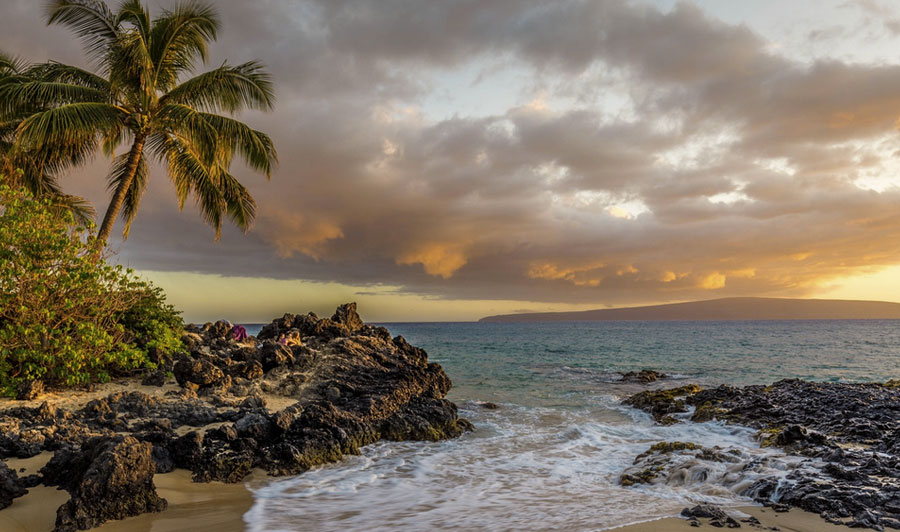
{"points": [[549, 458]]}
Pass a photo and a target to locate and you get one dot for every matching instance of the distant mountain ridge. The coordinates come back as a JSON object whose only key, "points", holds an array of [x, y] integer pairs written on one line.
{"points": [[730, 308]]}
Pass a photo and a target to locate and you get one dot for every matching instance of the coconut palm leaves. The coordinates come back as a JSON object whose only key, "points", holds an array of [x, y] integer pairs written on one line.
{"points": [[36, 169], [142, 96]]}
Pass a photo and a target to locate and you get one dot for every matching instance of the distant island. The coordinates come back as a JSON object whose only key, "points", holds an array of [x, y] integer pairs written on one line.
{"points": [[730, 308]]}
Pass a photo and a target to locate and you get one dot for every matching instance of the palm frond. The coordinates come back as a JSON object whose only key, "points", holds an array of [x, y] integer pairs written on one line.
{"points": [[42, 94], [62, 73], [82, 209], [240, 205], [216, 192], [255, 147], [134, 13], [183, 164], [180, 37], [227, 88], [131, 69], [68, 124], [11, 65], [91, 20], [191, 126], [113, 138]]}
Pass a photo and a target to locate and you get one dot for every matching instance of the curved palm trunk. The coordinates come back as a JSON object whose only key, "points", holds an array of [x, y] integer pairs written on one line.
{"points": [[115, 205]]}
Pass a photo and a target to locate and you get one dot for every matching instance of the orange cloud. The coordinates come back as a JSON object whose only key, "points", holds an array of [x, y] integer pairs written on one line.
{"points": [[438, 259], [586, 275], [713, 281], [292, 233]]}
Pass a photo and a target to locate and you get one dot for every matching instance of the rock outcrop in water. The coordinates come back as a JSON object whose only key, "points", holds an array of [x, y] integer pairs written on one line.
{"points": [[349, 385], [846, 434]]}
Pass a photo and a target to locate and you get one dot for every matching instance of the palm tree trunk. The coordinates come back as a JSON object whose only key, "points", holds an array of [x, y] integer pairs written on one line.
{"points": [[115, 205]]}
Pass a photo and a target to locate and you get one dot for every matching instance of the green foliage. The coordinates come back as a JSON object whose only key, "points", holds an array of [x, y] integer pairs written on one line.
{"points": [[66, 315], [151, 323]]}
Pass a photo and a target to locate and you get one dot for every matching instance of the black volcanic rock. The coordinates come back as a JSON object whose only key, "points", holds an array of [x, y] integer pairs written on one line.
{"points": [[199, 371], [109, 478], [849, 433], [10, 486], [346, 315], [350, 385], [644, 376]]}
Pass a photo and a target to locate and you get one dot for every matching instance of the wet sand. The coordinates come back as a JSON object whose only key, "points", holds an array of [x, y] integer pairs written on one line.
{"points": [[194, 507], [221, 507]]}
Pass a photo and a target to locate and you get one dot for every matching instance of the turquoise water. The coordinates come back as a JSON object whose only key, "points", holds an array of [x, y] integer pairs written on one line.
{"points": [[550, 457], [550, 363]]}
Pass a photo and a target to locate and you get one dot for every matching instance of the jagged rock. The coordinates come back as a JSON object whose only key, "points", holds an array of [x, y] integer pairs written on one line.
{"points": [[705, 511], [156, 378], [274, 355], [663, 403], [186, 450], [10, 486], [256, 426], [201, 372], [425, 419], [110, 478], [328, 329], [645, 376], [221, 463], [29, 390], [850, 429], [249, 370], [346, 315], [191, 340], [218, 330], [353, 385], [796, 434]]}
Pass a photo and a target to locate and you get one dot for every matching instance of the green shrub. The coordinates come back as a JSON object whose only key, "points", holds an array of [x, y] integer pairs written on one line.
{"points": [[66, 315], [151, 323]]}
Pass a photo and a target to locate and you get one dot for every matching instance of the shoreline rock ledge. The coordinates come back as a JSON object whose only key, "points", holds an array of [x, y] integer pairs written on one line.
{"points": [[343, 384]]}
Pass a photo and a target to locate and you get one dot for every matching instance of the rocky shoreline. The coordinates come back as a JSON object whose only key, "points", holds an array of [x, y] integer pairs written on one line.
{"points": [[843, 437], [340, 384]]}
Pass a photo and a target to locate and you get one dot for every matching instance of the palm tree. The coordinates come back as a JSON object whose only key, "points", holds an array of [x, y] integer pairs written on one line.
{"points": [[35, 170], [139, 98]]}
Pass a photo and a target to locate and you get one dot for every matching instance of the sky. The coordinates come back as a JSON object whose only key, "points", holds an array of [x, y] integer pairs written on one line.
{"points": [[451, 159]]}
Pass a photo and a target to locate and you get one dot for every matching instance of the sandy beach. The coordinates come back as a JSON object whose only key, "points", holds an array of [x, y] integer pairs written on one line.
{"points": [[221, 507], [192, 506]]}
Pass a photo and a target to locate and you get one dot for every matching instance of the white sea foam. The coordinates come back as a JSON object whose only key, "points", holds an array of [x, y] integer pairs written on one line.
{"points": [[522, 469]]}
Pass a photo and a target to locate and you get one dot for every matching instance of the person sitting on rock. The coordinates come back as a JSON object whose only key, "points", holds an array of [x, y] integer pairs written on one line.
{"points": [[239, 333], [292, 337]]}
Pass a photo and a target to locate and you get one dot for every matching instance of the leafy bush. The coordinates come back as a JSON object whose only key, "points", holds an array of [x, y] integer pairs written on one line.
{"points": [[152, 324], [66, 315]]}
